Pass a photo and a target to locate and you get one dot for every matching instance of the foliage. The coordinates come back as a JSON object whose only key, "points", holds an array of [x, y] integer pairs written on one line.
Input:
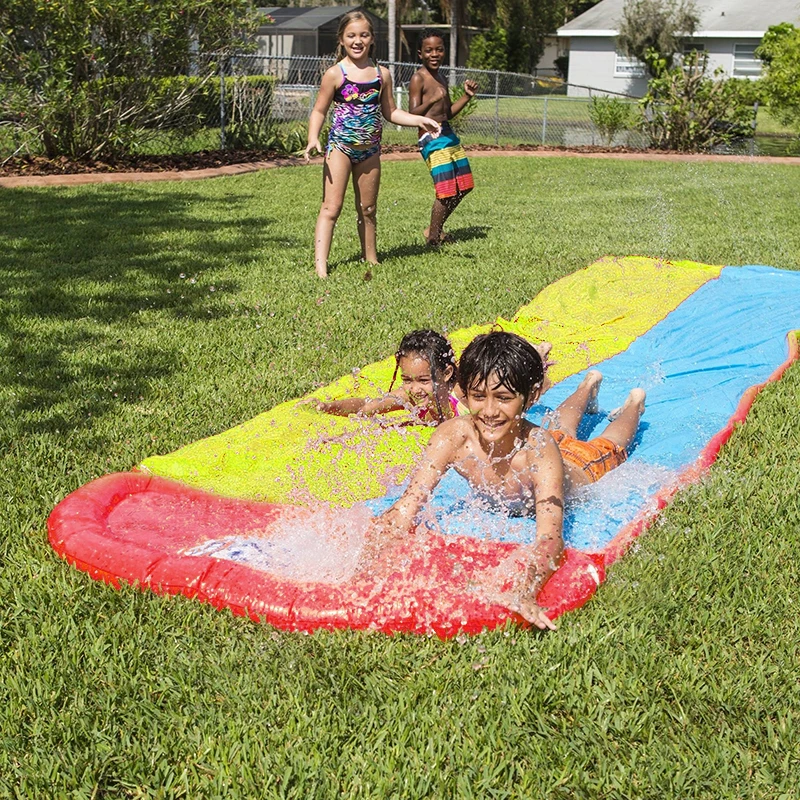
{"points": [[527, 23], [457, 122], [653, 31], [686, 109], [115, 347], [489, 50], [612, 115], [780, 52], [82, 75], [561, 63]]}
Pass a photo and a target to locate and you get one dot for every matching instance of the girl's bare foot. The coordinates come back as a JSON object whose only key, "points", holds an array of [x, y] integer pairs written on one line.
{"points": [[321, 270]]}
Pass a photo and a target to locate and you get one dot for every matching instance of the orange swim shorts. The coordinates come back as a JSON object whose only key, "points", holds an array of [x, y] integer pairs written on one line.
{"points": [[595, 457]]}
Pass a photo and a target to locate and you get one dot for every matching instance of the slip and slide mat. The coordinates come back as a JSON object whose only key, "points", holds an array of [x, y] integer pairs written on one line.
{"points": [[267, 519]]}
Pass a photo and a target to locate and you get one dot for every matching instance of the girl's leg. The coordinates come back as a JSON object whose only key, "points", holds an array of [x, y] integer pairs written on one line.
{"points": [[570, 413], [335, 175], [366, 182], [626, 420]]}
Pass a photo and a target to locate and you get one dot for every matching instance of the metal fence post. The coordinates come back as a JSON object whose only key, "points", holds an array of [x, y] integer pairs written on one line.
{"points": [[496, 106], [222, 103], [544, 121]]}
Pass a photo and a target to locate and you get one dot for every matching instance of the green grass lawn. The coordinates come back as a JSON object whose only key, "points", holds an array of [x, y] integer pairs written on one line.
{"points": [[138, 318]]}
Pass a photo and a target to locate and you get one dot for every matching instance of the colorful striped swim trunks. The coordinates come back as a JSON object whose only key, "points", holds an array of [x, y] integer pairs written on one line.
{"points": [[596, 457], [447, 162]]}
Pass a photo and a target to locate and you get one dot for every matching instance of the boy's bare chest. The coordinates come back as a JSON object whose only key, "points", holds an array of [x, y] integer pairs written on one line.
{"points": [[504, 479]]}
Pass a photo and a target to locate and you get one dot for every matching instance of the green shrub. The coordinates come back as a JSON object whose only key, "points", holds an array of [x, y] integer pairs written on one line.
{"points": [[612, 115], [686, 109]]}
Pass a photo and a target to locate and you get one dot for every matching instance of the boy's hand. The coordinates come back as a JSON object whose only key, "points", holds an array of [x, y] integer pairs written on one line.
{"points": [[377, 539], [310, 147], [470, 88], [526, 607]]}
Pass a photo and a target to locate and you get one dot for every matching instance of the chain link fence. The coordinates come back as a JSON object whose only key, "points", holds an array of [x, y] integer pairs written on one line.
{"points": [[263, 102], [508, 109]]}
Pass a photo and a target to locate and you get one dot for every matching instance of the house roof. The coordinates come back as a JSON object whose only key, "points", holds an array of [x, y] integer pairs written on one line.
{"points": [[306, 19], [718, 18]]}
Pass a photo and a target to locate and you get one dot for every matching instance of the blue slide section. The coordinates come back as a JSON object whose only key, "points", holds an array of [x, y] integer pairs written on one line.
{"points": [[695, 365]]}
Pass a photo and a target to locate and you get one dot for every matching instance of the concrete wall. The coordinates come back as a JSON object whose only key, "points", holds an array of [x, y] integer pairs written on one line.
{"points": [[592, 62]]}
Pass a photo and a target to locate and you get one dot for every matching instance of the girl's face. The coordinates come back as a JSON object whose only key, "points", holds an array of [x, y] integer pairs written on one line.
{"points": [[417, 380], [357, 39]]}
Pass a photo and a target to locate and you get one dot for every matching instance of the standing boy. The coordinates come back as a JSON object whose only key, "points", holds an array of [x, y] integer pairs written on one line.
{"points": [[429, 96], [513, 463]]}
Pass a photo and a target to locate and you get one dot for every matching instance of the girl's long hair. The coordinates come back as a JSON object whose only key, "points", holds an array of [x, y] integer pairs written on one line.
{"points": [[352, 16]]}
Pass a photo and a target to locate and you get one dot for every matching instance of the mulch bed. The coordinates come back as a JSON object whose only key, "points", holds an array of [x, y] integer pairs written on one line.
{"points": [[206, 159]]}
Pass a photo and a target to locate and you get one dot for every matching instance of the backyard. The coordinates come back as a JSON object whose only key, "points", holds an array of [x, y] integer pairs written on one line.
{"points": [[136, 318]]}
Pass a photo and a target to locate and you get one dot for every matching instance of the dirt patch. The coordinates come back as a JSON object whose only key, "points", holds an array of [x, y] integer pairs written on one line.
{"points": [[39, 171], [213, 159]]}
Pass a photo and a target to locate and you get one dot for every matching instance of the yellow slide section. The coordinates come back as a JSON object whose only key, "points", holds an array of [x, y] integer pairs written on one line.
{"points": [[295, 454]]}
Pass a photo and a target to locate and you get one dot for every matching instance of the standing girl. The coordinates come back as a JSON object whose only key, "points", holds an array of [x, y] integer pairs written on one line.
{"points": [[361, 91]]}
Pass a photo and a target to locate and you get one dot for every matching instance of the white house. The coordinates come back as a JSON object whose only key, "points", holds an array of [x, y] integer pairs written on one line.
{"points": [[729, 31]]}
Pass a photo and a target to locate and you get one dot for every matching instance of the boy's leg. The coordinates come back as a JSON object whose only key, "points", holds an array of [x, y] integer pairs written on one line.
{"points": [[335, 175], [622, 429], [366, 182], [442, 209], [570, 413]]}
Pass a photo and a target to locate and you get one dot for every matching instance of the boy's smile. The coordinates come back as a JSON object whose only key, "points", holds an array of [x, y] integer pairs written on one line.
{"points": [[431, 52], [496, 413]]}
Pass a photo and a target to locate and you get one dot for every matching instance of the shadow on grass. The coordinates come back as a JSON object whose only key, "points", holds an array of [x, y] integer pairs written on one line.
{"points": [[80, 274], [457, 235]]}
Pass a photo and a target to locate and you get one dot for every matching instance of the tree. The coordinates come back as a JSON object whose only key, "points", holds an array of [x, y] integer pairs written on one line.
{"points": [[653, 31], [86, 78], [687, 109], [527, 23], [489, 50], [780, 52]]}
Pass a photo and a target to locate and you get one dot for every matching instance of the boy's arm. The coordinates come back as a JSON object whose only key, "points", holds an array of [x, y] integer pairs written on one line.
{"points": [[397, 115], [470, 88], [398, 520], [548, 487]]}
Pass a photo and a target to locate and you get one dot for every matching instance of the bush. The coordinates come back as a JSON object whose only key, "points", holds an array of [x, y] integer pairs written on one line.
{"points": [[612, 115], [84, 78], [460, 119], [780, 52], [489, 50], [688, 110]]}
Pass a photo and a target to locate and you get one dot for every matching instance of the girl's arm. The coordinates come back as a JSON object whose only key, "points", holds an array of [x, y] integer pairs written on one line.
{"points": [[320, 111], [397, 115], [362, 405]]}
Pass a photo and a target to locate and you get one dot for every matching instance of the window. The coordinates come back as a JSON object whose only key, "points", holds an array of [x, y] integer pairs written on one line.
{"points": [[745, 63], [627, 67]]}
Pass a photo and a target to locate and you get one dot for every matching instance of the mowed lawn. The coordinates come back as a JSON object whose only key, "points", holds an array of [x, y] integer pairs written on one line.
{"points": [[137, 318]]}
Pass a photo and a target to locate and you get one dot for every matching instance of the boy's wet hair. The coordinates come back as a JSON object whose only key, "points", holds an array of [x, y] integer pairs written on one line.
{"points": [[515, 361], [428, 33], [352, 16], [436, 350]]}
